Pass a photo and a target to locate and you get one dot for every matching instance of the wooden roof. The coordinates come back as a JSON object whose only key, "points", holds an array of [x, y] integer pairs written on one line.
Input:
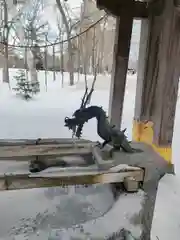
{"points": [[139, 9]]}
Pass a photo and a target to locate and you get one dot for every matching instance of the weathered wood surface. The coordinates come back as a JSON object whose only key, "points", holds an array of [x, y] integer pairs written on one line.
{"points": [[22, 142], [142, 62], [73, 176], [117, 8], [62, 149], [89, 174], [102, 163], [120, 65], [140, 9], [161, 79]]}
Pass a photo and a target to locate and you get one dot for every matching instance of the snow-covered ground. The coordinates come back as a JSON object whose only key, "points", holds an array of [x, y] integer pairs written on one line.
{"points": [[43, 117]]}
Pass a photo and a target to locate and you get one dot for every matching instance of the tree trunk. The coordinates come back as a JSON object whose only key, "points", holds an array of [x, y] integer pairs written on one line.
{"points": [[45, 63], [93, 50], [32, 67], [30, 57], [54, 67], [6, 64], [70, 48], [5, 38], [62, 61], [70, 62], [21, 36], [101, 60], [79, 58]]}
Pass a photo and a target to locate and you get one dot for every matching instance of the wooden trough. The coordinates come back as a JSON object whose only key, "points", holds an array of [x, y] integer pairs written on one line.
{"points": [[98, 171]]}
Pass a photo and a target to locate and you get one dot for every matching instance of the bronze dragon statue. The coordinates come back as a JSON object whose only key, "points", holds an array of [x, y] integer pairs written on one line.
{"points": [[110, 134]]}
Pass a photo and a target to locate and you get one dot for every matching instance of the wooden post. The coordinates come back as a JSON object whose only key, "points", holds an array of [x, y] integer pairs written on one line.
{"points": [[157, 90], [121, 56], [142, 60]]}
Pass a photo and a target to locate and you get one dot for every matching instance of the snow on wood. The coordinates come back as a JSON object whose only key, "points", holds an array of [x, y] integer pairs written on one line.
{"points": [[67, 176], [10, 152], [17, 142]]}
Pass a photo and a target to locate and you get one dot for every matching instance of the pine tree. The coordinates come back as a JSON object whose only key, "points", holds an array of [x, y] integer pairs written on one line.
{"points": [[25, 88]]}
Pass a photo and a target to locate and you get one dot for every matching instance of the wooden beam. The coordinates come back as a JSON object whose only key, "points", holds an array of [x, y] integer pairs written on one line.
{"points": [[20, 152], [139, 9], [43, 141], [81, 176], [117, 8], [120, 66], [159, 86], [177, 4], [142, 61]]}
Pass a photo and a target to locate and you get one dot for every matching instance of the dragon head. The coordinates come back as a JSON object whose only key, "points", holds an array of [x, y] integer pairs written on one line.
{"points": [[80, 116], [78, 119], [76, 123]]}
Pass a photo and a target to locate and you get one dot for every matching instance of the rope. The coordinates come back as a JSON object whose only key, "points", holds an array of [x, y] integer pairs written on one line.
{"points": [[60, 42]]}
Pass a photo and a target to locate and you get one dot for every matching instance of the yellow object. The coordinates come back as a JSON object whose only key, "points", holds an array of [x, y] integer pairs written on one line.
{"points": [[143, 132]]}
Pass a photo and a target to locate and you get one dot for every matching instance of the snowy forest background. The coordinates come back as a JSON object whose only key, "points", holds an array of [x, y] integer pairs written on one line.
{"points": [[59, 36]]}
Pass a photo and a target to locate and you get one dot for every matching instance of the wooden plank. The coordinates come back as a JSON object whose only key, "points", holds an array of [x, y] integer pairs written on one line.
{"points": [[120, 65], [46, 150], [22, 142], [64, 178], [11, 149]]}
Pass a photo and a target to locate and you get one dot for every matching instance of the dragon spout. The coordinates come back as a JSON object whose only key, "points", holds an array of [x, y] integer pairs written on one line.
{"points": [[108, 133]]}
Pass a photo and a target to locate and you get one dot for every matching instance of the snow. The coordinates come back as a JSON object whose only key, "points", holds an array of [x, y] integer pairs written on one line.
{"points": [[102, 227], [166, 220], [30, 214], [44, 117], [48, 110]]}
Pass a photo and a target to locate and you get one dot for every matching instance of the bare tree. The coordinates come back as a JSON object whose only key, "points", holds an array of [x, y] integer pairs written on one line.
{"points": [[6, 29], [29, 32], [35, 35], [101, 52], [6, 26], [68, 29], [61, 38]]}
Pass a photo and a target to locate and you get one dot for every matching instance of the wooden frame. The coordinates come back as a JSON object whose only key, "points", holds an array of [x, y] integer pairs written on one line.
{"points": [[26, 150], [66, 177]]}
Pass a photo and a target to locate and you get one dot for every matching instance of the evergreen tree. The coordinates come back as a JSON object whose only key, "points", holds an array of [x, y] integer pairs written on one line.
{"points": [[25, 88]]}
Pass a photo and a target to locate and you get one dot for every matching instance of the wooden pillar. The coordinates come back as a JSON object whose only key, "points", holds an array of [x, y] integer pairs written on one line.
{"points": [[142, 60], [157, 88], [120, 64]]}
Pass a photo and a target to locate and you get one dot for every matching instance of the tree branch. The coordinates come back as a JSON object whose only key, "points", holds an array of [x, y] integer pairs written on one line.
{"points": [[61, 10]]}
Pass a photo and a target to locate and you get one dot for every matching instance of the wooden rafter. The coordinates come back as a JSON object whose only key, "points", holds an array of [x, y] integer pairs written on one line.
{"points": [[116, 8], [140, 9]]}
